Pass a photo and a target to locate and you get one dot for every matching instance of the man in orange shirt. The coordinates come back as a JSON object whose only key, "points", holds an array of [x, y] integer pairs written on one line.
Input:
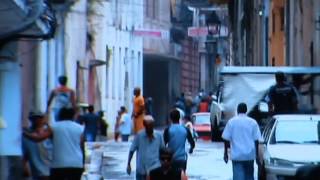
{"points": [[63, 97], [138, 110]]}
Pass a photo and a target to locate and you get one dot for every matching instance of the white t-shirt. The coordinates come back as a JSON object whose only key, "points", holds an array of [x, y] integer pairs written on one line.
{"points": [[66, 145], [125, 126], [242, 131]]}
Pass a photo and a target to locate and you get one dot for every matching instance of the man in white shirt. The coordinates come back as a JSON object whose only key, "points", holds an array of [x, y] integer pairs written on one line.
{"points": [[215, 110], [125, 124], [242, 135], [67, 138]]}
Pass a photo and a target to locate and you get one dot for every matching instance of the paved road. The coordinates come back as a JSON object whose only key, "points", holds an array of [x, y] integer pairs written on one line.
{"points": [[206, 163]]}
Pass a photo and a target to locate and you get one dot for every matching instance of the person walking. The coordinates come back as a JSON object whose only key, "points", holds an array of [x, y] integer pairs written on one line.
{"points": [[67, 138], [147, 143], [149, 106], [91, 122], [282, 97], [116, 126], [242, 135], [175, 137], [37, 155], [203, 105], [166, 171], [63, 97], [138, 110], [215, 117], [103, 125], [125, 124]]}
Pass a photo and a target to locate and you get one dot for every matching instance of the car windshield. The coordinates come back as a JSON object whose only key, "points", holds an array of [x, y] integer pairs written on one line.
{"points": [[296, 132], [201, 119]]}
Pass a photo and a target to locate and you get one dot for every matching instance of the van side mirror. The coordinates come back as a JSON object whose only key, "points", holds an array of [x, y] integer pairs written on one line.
{"points": [[263, 107]]}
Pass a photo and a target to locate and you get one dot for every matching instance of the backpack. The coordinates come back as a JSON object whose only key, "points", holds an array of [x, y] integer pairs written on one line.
{"points": [[62, 99]]}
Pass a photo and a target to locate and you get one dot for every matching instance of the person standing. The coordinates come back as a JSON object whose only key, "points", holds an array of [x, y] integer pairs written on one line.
{"points": [[116, 126], [215, 117], [138, 110], [67, 138], [37, 155], [63, 97], [91, 121], [175, 136], [125, 124], [215, 110], [282, 97], [203, 105], [242, 135], [149, 106], [166, 171], [147, 143], [103, 125]]}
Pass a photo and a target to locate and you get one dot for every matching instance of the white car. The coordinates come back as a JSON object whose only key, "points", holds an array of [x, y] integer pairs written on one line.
{"points": [[290, 141]]}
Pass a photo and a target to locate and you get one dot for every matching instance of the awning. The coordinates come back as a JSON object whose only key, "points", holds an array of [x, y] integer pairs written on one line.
{"points": [[26, 19], [270, 70]]}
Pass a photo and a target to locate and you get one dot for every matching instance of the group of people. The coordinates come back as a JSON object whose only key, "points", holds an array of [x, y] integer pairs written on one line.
{"points": [[200, 103], [55, 150], [161, 156], [242, 133]]}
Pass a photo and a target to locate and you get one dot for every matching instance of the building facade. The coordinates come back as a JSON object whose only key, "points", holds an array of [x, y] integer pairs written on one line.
{"points": [[112, 27], [162, 58], [22, 25]]}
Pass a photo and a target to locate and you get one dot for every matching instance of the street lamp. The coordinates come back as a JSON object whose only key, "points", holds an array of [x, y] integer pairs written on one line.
{"points": [[213, 27], [213, 24]]}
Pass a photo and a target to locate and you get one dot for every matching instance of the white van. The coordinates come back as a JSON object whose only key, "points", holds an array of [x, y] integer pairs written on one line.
{"points": [[250, 84]]}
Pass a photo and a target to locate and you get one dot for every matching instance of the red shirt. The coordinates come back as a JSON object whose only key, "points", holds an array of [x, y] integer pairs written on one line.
{"points": [[203, 107]]}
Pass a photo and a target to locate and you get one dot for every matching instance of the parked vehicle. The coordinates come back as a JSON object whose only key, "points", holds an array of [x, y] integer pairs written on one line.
{"points": [[290, 141], [202, 125]]}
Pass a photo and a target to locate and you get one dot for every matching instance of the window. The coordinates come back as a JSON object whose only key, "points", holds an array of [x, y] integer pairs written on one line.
{"points": [[273, 61], [154, 8], [113, 72], [140, 73], [108, 56], [282, 18], [132, 68], [273, 22], [151, 8], [120, 75], [297, 132]]}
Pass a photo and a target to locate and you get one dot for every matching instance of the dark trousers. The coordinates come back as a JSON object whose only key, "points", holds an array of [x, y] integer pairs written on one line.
{"points": [[125, 137], [66, 173], [180, 164]]}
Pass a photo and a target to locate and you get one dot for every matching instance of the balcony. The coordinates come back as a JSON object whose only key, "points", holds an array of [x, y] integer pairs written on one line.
{"points": [[26, 19]]}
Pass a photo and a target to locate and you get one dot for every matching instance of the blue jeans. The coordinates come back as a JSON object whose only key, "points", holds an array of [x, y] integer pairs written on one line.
{"points": [[242, 170], [90, 137], [141, 176]]}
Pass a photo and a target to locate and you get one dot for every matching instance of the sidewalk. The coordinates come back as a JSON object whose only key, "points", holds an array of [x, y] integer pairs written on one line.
{"points": [[108, 160]]}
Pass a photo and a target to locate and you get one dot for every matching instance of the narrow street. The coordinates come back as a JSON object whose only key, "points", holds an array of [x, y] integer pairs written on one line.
{"points": [[206, 163]]}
